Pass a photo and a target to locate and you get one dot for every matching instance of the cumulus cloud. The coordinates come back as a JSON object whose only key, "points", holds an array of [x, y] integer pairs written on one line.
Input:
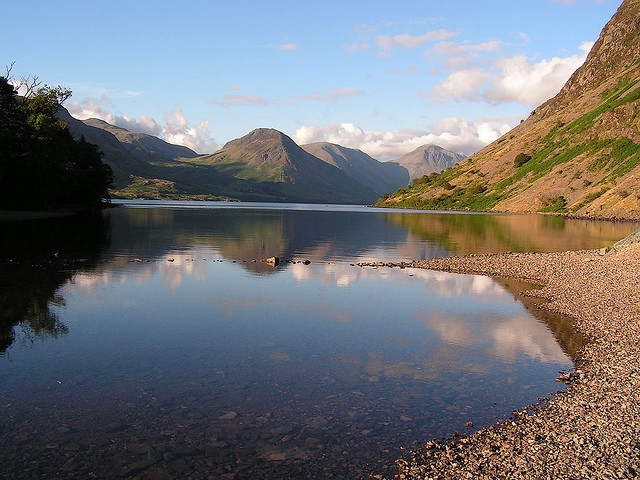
{"points": [[92, 108], [530, 83], [460, 85], [176, 129], [507, 79], [458, 135]]}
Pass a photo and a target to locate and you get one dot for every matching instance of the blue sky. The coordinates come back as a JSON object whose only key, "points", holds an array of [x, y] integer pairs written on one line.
{"points": [[381, 76]]}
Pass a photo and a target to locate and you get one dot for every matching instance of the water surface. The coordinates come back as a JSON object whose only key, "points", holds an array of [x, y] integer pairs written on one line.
{"points": [[156, 342]]}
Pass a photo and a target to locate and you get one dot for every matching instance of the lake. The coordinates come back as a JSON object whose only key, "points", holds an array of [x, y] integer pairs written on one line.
{"points": [[155, 341]]}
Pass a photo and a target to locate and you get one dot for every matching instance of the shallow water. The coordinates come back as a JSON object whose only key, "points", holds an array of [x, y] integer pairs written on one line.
{"points": [[156, 342]]}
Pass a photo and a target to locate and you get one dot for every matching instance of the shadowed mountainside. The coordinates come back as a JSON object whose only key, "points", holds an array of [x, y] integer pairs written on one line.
{"points": [[383, 177], [428, 159]]}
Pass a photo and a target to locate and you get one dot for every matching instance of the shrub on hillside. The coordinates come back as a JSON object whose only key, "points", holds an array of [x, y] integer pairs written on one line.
{"points": [[521, 159]]}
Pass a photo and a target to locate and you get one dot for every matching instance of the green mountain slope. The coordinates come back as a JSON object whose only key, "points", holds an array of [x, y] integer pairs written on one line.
{"points": [[276, 166], [577, 153]]}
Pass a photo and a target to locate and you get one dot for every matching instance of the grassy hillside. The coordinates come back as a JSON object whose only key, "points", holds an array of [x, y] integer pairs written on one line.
{"points": [[578, 153]]}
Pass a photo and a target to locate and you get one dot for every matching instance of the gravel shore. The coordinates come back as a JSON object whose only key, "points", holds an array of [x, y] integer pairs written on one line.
{"points": [[592, 430]]}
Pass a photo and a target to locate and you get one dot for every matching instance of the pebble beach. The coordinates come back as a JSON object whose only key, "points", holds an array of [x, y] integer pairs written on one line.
{"points": [[591, 430]]}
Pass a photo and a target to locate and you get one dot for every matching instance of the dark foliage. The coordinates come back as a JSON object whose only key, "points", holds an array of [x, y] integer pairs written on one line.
{"points": [[41, 165]]}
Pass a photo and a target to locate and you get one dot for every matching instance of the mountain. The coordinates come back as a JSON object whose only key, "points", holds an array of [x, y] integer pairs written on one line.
{"points": [[577, 153], [149, 146], [122, 161], [145, 166], [264, 165], [276, 166], [428, 159], [382, 177]]}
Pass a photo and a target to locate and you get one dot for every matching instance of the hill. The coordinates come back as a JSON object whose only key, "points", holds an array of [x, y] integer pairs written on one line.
{"points": [[428, 159], [382, 177], [275, 166], [114, 153], [264, 165], [153, 148], [577, 153]]}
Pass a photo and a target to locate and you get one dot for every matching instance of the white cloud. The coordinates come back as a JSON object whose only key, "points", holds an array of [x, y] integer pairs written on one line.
{"points": [[507, 79], [177, 129], [405, 40], [92, 108], [288, 47], [460, 85], [532, 83], [458, 56], [454, 134]]}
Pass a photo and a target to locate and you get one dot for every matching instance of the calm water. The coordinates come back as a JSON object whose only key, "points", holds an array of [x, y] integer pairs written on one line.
{"points": [[155, 341]]}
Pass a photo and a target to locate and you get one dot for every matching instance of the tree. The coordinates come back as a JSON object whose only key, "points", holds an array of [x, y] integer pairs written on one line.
{"points": [[41, 165]]}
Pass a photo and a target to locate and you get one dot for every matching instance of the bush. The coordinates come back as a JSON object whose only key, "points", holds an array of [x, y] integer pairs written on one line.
{"points": [[521, 159], [555, 204]]}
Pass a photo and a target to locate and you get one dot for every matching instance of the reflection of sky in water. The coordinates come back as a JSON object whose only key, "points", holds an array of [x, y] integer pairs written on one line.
{"points": [[199, 326], [395, 322], [378, 357]]}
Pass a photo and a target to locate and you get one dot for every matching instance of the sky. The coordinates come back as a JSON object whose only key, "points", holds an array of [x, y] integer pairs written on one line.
{"points": [[380, 76]]}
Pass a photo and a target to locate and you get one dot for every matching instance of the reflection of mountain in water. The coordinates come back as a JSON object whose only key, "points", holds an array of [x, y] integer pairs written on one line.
{"points": [[463, 234], [249, 234], [245, 235], [36, 258]]}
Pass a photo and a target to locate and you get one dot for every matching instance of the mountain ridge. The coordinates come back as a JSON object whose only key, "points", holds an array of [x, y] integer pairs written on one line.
{"points": [[428, 159], [277, 165], [578, 153], [383, 177], [254, 167]]}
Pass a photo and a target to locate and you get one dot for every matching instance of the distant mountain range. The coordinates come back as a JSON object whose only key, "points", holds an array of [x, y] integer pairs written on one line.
{"points": [[577, 153], [264, 165]]}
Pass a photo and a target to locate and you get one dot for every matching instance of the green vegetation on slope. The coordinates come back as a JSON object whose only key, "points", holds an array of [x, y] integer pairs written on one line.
{"points": [[461, 188]]}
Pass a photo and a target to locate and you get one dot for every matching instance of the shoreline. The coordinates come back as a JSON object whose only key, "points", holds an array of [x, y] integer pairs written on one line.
{"points": [[591, 430]]}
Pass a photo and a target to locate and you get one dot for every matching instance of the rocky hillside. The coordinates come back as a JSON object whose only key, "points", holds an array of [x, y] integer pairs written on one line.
{"points": [[428, 159], [577, 153], [383, 177]]}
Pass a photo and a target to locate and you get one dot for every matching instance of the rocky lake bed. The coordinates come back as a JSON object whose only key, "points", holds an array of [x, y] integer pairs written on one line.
{"points": [[593, 429]]}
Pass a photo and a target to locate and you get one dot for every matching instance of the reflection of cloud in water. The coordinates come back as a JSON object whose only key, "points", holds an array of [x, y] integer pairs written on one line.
{"points": [[338, 274], [444, 284], [505, 337], [459, 332], [174, 268]]}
